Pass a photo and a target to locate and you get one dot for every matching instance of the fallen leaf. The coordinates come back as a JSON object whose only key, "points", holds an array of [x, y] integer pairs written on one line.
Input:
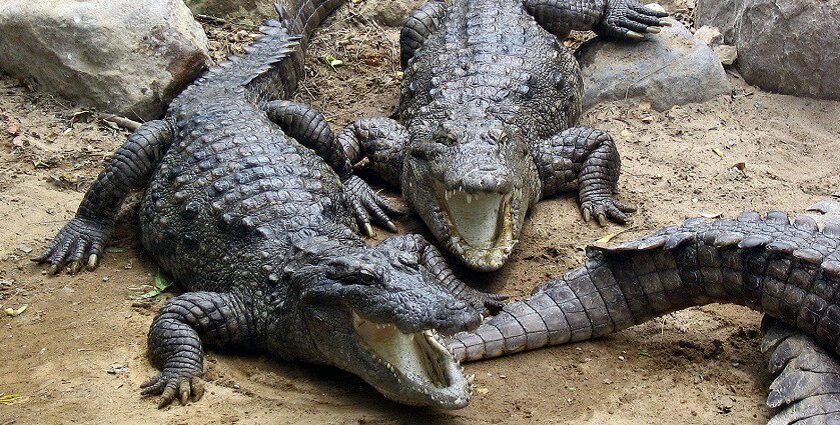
{"points": [[718, 152], [333, 61], [114, 250], [740, 165], [607, 238], [14, 313], [9, 398], [162, 283], [12, 126], [482, 390]]}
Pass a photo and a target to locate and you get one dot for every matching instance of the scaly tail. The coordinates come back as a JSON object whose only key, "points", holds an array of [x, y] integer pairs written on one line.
{"points": [[788, 270], [273, 64]]}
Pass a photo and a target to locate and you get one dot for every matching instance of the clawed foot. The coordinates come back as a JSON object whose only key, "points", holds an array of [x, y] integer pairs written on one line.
{"points": [[79, 244], [606, 208], [629, 19], [483, 301], [365, 203], [807, 387], [171, 385]]}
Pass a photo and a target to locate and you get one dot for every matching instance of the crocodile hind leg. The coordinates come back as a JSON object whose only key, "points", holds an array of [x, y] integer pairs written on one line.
{"points": [[309, 127], [807, 383], [615, 18], [586, 160], [432, 260], [177, 334], [422, 22], [83, 239]]}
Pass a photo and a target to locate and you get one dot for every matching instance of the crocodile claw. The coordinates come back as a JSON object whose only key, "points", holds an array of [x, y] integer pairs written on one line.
{"points": [[603, 209], [170, 386], [629, 19], [365, 203], [79, 243]]}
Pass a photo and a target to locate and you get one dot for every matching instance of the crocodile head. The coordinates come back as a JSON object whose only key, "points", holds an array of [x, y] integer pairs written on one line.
{"points": [[375, 312], [472, 185]]}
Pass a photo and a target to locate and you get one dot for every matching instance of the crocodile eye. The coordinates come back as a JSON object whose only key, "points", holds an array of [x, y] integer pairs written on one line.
{"points": [[367, 277]]}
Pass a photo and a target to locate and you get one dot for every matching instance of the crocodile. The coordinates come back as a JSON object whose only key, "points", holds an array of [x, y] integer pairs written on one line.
{"points": [[488, 102], [253, 208], [787, 269]]}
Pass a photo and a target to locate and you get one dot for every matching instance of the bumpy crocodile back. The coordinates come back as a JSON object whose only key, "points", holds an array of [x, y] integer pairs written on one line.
{"points": [[233, 193]]}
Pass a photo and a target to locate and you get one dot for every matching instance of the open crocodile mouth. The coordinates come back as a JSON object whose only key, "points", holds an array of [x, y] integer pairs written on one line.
{"points": [[420, 362], [480, 225]]}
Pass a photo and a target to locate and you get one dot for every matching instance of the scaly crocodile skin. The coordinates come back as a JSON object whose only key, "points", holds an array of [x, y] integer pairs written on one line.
{"points": [[487, 102], [252, 206]]}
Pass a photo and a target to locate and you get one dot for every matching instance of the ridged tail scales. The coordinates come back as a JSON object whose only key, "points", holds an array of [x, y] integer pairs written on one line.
{"points": [[272, 65], [788, 270]]}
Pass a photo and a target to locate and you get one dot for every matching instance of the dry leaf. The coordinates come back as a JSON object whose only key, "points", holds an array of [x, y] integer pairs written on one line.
{"points": [[12, 312], [718, 152], [12, 126], [740, 165], [607, 238]]}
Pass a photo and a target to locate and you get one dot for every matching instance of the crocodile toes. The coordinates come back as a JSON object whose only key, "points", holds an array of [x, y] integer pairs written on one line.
{"points": [[174, 386]]}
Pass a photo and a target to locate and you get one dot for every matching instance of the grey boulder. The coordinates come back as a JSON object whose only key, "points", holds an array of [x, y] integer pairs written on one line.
{"points": [[124, 57], [666, 69], [784, 46]]}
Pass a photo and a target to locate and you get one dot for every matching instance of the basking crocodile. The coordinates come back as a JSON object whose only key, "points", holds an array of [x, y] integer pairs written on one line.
{"points": [[488, 101], [261, 231], [788, 270]]}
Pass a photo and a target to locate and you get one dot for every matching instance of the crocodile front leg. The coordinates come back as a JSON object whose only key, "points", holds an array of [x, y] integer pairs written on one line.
{"points": [[422, 22], [431, 259], [177, 334], [807, 383], [309, 127], [83, 239], [583, 159], [381, 140], [614, 18]]}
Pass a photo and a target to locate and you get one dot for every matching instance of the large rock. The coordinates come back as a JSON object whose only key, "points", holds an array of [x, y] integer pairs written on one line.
{"points": [[666, 69], [128, 57], [246, 10], [785, 46]]}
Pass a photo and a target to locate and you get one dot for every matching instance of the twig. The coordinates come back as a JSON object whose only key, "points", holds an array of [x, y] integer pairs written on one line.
{"points": [[121, 121], [627, 93]]}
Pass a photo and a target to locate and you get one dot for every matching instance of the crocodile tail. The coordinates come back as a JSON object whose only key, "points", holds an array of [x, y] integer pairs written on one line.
{"points": [[789, 270], [271, 67]]}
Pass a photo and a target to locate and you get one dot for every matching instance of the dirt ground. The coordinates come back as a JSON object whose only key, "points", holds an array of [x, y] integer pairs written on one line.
{"points": [[77, 354]]}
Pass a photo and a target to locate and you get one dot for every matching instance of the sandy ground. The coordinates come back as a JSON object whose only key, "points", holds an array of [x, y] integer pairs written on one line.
{"points": [[77, 354]]}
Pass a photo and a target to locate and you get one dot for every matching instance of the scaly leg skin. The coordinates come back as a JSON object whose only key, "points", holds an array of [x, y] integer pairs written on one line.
{"points": [[807, 385], [585, 159], [82, 240], [430, 258], [309, 127], [612, 18], [423, 21], [176, 337], [381, 140]]}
